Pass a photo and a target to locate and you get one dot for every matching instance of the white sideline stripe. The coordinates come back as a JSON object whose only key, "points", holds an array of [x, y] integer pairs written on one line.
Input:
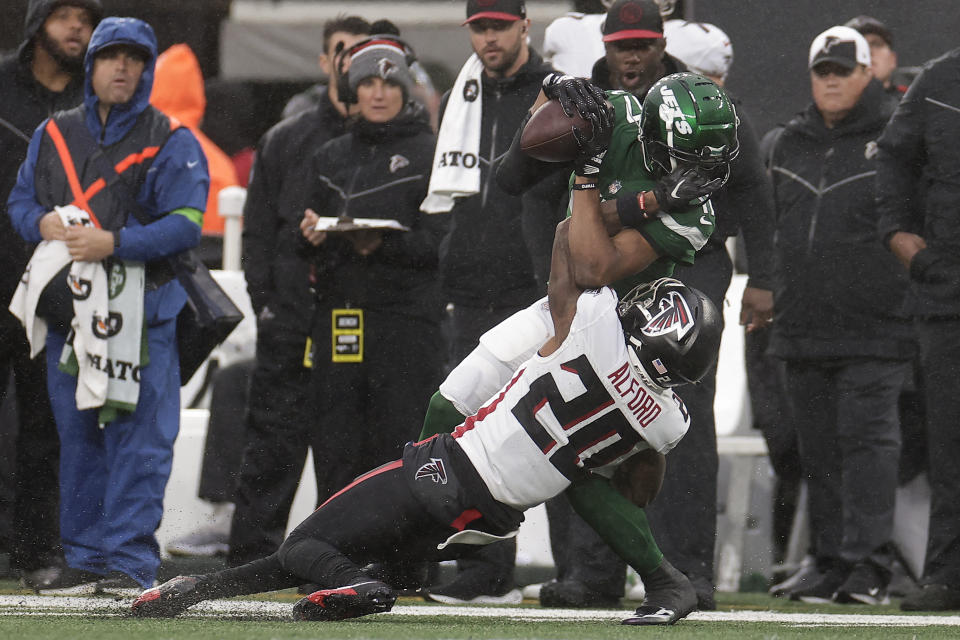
{"points": [[30, 605]]}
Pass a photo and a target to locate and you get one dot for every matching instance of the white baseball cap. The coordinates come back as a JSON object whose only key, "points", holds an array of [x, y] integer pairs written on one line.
{"points": [[842, 45], [703, 47]]}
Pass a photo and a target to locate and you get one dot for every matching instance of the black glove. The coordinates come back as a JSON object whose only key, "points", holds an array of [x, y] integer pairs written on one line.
{"points": [[592, 150], [686, 187], [580, 95]]}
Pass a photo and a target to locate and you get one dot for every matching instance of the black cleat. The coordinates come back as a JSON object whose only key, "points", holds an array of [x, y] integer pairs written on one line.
{"points": [[351, 601], [171, 598], [670, 597]]}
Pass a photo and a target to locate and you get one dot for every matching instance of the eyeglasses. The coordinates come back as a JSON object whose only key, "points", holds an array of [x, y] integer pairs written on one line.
{"points": [[832, 68]]}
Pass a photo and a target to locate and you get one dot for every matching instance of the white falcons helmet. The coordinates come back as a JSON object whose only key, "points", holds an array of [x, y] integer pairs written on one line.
{"points": [[672, 332]]}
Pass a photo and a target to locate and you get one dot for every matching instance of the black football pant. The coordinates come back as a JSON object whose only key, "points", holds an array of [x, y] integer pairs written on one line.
{"points": [[940, 357], [34, 445], [376, 518]]}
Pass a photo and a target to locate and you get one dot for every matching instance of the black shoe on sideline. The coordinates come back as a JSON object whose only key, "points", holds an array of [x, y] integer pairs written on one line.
{"points": [[171, 598], [351, 601], [68, 582], [670, 597], [469, 588], [866, 584], [571, 594], [932, 597], [117, 583], [823, 590]]}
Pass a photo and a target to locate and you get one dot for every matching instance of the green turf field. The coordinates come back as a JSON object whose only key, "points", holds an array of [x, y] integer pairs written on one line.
{"points": [[25, 616]]}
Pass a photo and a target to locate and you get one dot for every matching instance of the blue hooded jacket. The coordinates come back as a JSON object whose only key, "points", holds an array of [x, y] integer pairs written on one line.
{"points": [[178, 177]]}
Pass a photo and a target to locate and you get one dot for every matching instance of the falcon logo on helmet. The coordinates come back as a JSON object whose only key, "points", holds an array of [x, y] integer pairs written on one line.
{"points": [[674, 316]]}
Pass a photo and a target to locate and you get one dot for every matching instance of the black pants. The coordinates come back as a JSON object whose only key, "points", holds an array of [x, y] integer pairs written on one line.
{"points": [[378, 518], [848, 428], [765, 381], [940, 354], [366, 411], [276, 436], [33, 443], [226, 438]]}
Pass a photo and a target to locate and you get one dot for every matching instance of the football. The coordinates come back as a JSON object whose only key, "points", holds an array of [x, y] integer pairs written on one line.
{"points": [[548, 135]]}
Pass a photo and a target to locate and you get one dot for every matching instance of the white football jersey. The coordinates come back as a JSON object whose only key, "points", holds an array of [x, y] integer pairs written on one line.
{"points": [[583, 408], [574, 42]]}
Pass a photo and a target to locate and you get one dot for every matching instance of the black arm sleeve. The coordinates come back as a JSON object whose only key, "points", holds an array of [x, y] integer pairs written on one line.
{"points": [[518, 171], [260, 225], [900, 158], [747, 201]]}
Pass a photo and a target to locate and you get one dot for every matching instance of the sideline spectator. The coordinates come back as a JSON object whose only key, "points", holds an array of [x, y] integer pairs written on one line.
{"points": [[918, 202], [116, 429], [883, 57], [43, 76], [279, 429], [376, 331], [178, 92], [572, 42], [839, 321], [496, 257]]}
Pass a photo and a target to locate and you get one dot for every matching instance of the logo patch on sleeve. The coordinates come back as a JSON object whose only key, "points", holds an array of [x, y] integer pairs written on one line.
{"points": [[433, 470]]}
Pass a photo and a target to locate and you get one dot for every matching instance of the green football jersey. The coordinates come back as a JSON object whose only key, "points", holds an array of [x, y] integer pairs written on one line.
{"points": [[677, 236]]}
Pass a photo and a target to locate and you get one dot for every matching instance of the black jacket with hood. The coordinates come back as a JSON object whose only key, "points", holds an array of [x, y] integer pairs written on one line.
{"points": [[24, 104], [486, 259], [838, 292], [379, 171]]}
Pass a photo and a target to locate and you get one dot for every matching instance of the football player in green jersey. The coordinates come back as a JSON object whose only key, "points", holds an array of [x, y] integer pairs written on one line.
{"points": [[644, 180]]}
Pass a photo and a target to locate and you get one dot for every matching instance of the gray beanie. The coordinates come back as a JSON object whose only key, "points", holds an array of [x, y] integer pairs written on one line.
{"points": [[382, 58]]}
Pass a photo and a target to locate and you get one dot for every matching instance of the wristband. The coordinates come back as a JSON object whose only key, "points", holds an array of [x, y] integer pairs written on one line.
{"points": [[631, 210], [584, 186]]}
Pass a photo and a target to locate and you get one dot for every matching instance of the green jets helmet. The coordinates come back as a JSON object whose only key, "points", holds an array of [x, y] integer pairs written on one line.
{"points": [[686, 119]]}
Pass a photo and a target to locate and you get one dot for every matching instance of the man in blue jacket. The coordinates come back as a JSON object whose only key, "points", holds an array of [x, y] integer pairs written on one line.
{"points": [[109, 157]]}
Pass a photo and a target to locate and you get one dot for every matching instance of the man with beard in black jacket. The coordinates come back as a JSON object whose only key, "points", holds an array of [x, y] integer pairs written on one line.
{"points": [[278, 280], [43, 76], [840, 325]]}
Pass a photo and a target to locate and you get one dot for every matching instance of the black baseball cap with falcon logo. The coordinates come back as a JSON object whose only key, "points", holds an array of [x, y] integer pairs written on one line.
{"points": [[633, 20], [509, 10]]}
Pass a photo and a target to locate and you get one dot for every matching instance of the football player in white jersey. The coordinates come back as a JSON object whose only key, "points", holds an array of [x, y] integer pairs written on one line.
{"points": [[594, 399]]}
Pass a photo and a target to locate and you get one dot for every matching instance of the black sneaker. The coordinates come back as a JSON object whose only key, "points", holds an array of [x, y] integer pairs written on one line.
{"points": [[117, 583], [866, 584], [169, 599], [806, 574], [467, 589], [570, 594], [68, 582], [352, 601], [823, 590], [932, 597], [670, 597]]}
